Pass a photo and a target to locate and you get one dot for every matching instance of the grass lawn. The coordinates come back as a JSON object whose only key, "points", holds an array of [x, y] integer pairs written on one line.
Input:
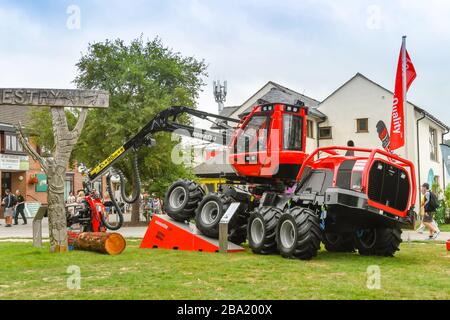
{"points": [[419, 271], [445, 227]]}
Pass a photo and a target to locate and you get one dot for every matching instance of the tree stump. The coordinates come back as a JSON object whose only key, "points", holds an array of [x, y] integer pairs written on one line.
{"points": [[101, 242]]}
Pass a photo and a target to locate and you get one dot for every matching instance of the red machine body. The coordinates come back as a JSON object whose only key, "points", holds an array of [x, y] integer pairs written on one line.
{"points": [[97, 209], [90, 215], [270, 142], [361, 179], [352, 198], [165, 233]]}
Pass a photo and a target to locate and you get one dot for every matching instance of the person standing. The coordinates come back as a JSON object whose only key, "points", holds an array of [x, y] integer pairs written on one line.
{"points": [[20, 207], [71, 199], [71, 203], [350, 153], [107, 202], [80, 196], [9, 201], [430, 207]]}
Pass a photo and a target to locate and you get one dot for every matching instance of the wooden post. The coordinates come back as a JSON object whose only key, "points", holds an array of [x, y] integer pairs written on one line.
{"points": [[37, 227], [65, 139]]}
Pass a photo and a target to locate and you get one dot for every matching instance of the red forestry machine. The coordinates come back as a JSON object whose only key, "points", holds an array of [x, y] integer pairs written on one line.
{"points": [[348, 198]]}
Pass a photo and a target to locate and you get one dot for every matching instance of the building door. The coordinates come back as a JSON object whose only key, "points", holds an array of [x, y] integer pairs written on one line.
{"points": [[6, 182]]}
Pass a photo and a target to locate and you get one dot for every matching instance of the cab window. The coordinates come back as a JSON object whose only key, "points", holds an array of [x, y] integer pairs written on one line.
{"points": [[254, 136], [292, 132]]}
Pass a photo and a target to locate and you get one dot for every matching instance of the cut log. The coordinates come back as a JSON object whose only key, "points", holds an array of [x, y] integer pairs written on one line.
{"points": [[101, 242]]}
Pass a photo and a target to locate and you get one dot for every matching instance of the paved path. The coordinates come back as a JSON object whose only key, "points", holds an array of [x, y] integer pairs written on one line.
{"points": [[22, 231]]}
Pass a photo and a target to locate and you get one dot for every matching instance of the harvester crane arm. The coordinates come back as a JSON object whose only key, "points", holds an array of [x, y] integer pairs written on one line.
{"points": [[166, 121]]}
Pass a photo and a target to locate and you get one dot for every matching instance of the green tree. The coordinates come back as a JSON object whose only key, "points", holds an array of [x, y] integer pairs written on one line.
{"points": [[143, 78]]}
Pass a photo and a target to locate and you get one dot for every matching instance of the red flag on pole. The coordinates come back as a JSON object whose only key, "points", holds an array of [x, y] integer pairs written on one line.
{"points": [[405, 77]]}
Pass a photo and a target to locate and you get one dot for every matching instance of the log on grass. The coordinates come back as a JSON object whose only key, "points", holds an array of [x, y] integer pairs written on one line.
{"points": [[101, 242]]}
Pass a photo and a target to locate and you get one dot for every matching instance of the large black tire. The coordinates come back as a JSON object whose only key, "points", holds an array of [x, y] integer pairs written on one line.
{"points": [[182, 199], [298, 234], [339, 242], [378, 242], [262, 229], [210, 212], [238, 235]]}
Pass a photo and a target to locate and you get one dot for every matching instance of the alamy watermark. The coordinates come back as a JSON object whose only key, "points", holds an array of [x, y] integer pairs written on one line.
{"points": [[74, 279], [250, 146], [73, 21], [373, 277], [374, 17]]}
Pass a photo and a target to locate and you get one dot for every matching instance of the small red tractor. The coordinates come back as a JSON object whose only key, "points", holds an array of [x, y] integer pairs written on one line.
{"points": [[290, 202], [91, 214]]}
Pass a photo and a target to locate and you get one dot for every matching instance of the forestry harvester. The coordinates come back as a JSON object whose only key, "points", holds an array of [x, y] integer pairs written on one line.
{"points": [[290, 201]]}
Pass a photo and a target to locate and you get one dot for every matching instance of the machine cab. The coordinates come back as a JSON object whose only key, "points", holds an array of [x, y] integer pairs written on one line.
{"points": [[270, 142]]}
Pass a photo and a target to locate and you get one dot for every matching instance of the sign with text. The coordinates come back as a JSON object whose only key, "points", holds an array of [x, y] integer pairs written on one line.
{"points": [[13, 162], [55, 98]]}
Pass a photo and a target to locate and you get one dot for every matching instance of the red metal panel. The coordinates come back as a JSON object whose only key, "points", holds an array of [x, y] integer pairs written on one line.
{"points": [[166, 234]]}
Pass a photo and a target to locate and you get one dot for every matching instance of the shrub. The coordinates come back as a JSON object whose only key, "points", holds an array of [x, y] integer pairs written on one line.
{"points": [[441, 213], [447, 204]]}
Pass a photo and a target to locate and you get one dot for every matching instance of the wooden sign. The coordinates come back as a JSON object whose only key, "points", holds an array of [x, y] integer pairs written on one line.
{"points": [[55, 98]]}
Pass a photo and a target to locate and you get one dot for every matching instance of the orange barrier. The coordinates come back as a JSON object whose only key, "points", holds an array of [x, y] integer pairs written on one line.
{"points": [[165, 233]]}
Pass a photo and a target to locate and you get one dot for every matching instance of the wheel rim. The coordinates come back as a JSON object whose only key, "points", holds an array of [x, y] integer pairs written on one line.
{"points": [[178, 197], [287, 234], [210, 213], [257, 231], [367, 238], [332, 238]]}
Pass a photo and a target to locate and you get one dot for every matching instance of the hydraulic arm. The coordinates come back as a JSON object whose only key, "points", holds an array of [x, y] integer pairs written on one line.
{"points": [[167, 121]]}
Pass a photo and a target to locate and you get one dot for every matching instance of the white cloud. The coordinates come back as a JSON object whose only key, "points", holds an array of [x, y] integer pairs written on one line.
{"points": [[310, 46]]}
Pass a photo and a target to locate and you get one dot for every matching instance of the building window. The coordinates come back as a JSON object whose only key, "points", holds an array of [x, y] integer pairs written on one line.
{"points": [[362, 125], [68, 185], [8, 142], [310, 129], [12, 144], [433, 145], [325, 133]]}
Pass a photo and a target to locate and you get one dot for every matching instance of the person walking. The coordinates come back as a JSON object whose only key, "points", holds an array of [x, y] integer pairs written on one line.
{"points": [[20, 207], [422, 213], [9, 201], [430, 207]]}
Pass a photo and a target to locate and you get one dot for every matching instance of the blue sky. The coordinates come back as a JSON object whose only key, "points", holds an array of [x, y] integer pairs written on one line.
{"points": [[310, 46]]}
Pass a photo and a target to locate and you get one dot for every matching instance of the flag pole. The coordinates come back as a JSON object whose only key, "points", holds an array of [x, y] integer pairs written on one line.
{"points": [[405, 107]]}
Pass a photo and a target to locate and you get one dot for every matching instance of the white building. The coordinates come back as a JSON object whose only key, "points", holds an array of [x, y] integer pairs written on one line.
{"points": [[355, 108], [352, 112]]}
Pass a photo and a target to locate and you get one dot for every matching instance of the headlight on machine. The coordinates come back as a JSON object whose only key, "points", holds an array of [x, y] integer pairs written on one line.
{"points": [[357, 180]]}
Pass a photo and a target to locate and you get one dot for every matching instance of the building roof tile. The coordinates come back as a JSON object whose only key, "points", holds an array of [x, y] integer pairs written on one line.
{"points": [[12, 114]]}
